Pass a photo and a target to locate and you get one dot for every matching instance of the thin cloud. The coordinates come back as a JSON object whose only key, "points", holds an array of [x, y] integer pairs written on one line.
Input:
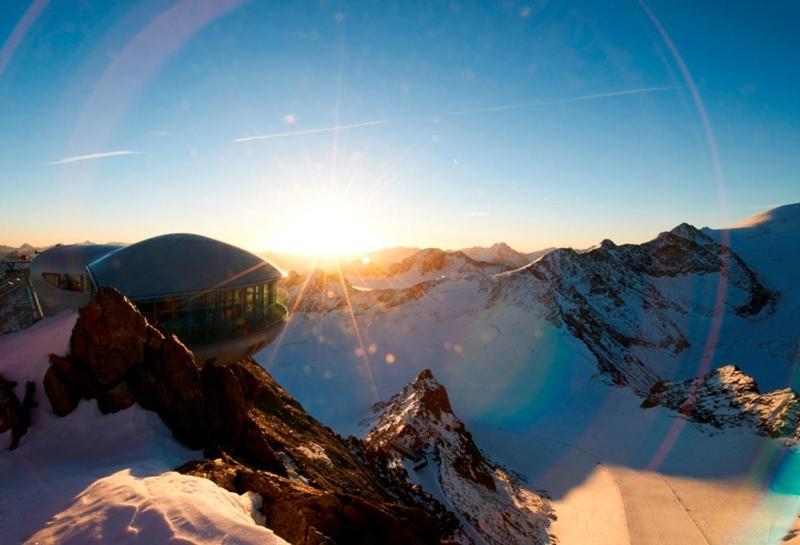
{"points": [[477, 214], [579, 98], [92, 156], [312, 131]]}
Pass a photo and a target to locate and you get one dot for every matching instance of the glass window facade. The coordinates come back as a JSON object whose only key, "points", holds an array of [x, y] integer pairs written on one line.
{"points": [[218, 315], [69, 282]]}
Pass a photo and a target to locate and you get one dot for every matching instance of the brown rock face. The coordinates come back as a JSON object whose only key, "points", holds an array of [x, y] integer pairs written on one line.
{"points": [[61, 386], [109, 336], [116, 398], [433, 398], [226, 407], [168, 382]]}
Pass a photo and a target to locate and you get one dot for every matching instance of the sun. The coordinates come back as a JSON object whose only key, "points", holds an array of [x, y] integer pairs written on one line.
{"points": [[326, 224]]}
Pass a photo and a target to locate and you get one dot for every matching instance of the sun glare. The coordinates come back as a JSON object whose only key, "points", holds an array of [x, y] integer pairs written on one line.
{"points": [[326, 225]]}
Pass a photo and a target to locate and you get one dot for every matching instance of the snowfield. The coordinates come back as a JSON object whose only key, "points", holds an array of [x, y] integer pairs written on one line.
{"points": [[90, 478], [533, 398]]}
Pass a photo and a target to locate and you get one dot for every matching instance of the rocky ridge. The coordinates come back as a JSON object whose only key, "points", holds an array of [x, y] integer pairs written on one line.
{"points": [[255, 436], [727, 398], [623, 300]]}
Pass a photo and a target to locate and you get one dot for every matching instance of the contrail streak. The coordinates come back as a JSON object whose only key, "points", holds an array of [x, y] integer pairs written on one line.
{"points": [[579, 98], [336, 128], [91, 156], [502, 108]]}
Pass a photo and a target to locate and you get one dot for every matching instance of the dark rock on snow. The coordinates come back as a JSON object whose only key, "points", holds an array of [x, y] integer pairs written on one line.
{"points": [[15, 416]]}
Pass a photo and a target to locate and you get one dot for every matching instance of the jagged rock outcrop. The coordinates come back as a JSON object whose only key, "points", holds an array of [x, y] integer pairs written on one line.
{"points": [[418, 425], [15, 415], [117, 358], [316, 490], [726, 398]]}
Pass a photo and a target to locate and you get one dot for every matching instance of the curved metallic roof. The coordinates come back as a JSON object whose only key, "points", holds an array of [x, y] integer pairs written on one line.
{"points": [[70, 258], [179, 263]]}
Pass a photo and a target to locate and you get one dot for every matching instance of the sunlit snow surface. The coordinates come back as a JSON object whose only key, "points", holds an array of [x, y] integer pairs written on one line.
{"points": [[530, 394], [90, 478]]}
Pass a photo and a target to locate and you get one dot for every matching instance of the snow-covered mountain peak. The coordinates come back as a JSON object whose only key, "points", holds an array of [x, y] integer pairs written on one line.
{"points": [[418, 428], [499, 253], [688, 231], [434, 260], [430, 394], [416, 417]]}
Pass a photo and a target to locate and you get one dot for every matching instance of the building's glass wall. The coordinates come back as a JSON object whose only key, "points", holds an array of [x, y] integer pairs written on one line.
{"points": [[69, 282], [217, 315]]}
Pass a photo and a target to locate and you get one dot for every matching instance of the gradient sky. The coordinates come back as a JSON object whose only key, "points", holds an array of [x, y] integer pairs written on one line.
{"points": [[120, 121]]}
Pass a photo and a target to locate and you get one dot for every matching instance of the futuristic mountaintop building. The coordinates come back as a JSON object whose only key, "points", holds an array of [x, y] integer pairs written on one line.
{"points": [[218, 299]]}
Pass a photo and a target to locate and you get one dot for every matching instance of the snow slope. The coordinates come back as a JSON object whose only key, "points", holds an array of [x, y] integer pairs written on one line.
{"points": [[770, 244], [92, 478]]}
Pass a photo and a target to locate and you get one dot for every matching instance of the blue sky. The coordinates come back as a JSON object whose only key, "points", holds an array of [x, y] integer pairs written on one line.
{"points": [[179, 83]]}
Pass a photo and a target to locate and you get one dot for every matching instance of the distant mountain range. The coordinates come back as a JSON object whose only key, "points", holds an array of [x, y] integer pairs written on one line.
{"points": [[379, 262], [642, 310]]}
